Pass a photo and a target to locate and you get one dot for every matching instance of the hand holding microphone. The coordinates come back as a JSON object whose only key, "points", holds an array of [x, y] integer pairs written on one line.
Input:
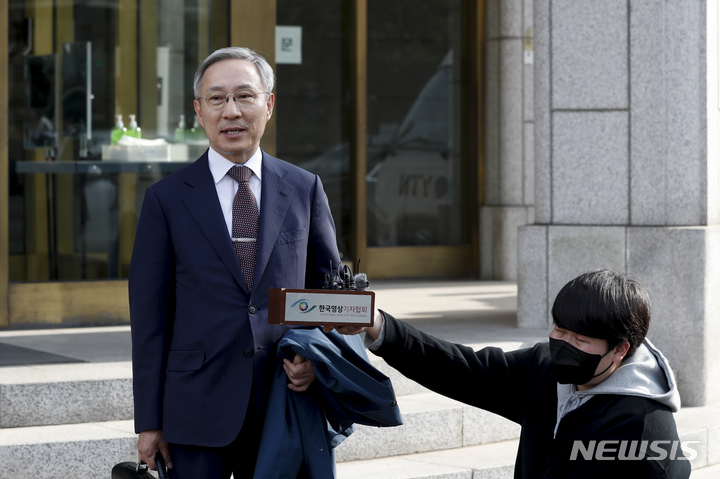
{"points": [[373, 331]]}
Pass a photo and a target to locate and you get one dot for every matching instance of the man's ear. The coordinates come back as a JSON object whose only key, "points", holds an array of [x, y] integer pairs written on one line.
{"points": [[270, 105], [196, 106], [620, 351]]}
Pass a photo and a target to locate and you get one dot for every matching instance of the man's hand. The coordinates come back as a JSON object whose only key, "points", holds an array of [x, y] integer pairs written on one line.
{"points": [[299, 372], [372, 331], [149, 443]]}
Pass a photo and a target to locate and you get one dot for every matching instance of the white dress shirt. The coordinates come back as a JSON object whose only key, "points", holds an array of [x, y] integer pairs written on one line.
{"points": [[226, 187]]}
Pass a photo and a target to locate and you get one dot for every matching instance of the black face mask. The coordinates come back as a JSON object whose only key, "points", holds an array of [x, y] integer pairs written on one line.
{"points": [[573, 366]]}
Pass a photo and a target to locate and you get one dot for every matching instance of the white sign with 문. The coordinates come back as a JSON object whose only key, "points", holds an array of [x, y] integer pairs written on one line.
{"points": [[288, 45]]}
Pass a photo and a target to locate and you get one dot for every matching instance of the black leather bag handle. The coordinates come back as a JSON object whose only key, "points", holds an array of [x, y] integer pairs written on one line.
{"points": [[159, 463]]}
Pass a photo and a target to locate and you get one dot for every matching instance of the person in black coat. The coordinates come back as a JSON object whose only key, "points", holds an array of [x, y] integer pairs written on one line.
{"points": [[595, 401]]}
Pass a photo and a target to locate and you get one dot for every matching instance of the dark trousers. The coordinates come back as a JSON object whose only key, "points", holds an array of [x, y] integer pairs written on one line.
{"points": [[238, 458]]}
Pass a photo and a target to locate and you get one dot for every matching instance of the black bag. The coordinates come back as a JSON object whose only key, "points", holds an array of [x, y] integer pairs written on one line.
{"points": [[133, 470]]}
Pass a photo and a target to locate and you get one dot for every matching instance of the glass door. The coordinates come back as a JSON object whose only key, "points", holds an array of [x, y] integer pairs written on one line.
{"points": [[77, 70], [74, 68], [416, 217], [373, 103], [313, 107]]}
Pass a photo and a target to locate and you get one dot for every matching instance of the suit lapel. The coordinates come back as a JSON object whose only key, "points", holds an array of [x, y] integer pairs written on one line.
{"points": [[203, 205], [276, 197]]}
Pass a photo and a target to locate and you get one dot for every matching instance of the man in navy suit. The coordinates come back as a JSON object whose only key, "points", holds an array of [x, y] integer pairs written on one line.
{"points": [[203, 352]]}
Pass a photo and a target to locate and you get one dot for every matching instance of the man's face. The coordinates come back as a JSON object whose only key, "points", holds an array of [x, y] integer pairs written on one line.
{"points": [[234, 131], [593, 346]]}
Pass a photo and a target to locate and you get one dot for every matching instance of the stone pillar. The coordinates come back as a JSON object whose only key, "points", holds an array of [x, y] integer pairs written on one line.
{"points": [[627, 170], [509, 165]]}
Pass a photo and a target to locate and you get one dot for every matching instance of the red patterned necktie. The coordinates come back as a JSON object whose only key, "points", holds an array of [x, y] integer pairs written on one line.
{"points": [[245, 223]]}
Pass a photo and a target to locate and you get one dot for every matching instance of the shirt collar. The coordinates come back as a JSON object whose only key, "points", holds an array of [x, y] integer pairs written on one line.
{"points": [[219, 165]]}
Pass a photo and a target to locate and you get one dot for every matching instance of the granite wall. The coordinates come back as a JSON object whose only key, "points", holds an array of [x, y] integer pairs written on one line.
{"points": [[509, 163], [627, 174]]}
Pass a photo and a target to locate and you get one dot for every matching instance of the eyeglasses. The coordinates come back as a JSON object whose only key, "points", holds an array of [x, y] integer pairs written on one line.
{"points": [[217, 99]]}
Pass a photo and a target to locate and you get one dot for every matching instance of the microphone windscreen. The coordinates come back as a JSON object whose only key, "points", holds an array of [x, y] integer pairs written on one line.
{"points": [[361, 282]]}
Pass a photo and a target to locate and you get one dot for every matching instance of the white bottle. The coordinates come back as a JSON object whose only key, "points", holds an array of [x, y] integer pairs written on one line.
{"points": [[180, 130], [197, 133], [134, 130], [118, 131]]}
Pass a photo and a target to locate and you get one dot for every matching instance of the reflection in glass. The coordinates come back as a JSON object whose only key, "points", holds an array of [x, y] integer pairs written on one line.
{"points": [[313, 103], [72, 212], [413, 150], [77, 90], [40, 87]]}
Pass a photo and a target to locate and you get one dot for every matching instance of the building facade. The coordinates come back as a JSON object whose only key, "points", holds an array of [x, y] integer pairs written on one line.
{"points": [[526, 140], [384, 100]]}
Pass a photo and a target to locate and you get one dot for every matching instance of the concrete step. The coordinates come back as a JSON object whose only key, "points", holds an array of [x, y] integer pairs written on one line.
{"points": [[441, 438], [432, 423], [91, 450], [702, 425], [65, 394], [710, 472], [488, 461], [51, 394], [495, 460], [70, 450], [435, 442]]}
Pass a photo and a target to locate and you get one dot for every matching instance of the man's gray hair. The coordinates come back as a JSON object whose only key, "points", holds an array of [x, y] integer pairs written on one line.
{"points": [[267, 76]]}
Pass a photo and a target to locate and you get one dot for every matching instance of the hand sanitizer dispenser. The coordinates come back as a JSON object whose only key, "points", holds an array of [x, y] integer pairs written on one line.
{"points": [[118, 131], [180, 130], [134, 129]]}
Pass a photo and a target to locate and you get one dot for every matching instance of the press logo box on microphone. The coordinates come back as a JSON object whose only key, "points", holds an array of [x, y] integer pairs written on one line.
{"points": [[314, 307]]}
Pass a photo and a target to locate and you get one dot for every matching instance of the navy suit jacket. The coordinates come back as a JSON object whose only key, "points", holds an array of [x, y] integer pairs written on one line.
{"points": [[200, 341]]}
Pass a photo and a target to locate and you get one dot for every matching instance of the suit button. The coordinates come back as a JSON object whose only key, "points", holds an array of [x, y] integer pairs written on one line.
{"points": [[252, 309], [248, 353]]}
